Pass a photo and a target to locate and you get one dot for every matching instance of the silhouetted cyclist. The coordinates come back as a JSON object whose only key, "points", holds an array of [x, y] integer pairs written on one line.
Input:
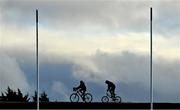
{"points": [[82, 89], [111, 88]]}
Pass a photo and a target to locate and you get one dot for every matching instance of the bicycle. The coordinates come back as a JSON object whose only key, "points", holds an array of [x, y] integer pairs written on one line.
{"points": [[74, 97], [108, 97]]}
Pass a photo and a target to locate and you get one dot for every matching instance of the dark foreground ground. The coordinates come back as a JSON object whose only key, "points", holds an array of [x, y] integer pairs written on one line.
{"points": [[68, 105]]}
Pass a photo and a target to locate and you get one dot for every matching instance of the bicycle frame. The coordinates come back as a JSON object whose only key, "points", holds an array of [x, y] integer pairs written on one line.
{"points": [[79, 93], [110, 96]]}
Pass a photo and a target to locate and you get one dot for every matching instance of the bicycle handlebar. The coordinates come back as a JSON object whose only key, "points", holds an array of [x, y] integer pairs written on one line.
{"points": [[74, 89]]}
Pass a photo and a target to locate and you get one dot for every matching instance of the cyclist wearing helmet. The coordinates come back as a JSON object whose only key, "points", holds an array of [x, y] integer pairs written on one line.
{"points": [[111, 88], [82, 89]]}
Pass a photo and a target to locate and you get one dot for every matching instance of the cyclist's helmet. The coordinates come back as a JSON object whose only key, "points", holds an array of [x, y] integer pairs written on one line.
{"points": [[81, 81]]}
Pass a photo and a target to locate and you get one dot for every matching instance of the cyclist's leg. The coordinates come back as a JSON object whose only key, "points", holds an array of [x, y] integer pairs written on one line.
{"points": [[113, 92], [83, 95], [81, 91], [110, 90]]}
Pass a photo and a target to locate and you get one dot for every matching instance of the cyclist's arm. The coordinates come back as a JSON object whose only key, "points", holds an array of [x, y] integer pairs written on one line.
{"points": [[78, 87], [108, 89]]}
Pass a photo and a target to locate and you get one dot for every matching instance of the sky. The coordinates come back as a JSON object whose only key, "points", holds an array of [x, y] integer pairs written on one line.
{"points": [[93, 41]]}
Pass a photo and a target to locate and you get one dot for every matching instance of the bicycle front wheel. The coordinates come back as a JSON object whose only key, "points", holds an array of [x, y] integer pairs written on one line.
{"points": [[88, 97], [118, 99], [105, 99], [74, 97]]}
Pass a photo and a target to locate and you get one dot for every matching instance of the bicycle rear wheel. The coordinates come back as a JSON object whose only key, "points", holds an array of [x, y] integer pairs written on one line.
{"points": [[105, 99], [117, 99], [88, 97], [74, 97]]}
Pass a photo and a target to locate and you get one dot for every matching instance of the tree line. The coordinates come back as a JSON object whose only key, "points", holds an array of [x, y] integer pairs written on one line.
{"points": [[11, 95]]}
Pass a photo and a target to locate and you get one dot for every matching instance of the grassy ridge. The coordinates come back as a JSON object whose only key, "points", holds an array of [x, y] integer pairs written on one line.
{"points": [[68, 105]]}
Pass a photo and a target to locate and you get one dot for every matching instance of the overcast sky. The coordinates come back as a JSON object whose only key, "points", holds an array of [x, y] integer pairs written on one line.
{"points": [[91, 40]]}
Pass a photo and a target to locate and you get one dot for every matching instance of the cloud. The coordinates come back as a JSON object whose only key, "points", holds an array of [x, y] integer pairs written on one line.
{"points": [[59, 88], [79, 14], [94, 17], [166, 18], [55, 43], [11, 74], [85, 26], [130, 69], [116, 67], [166, 76], [72, 31]]}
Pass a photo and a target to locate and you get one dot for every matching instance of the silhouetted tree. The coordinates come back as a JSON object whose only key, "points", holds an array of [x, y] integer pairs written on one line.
{"points": [[11, 95], [43, 97], [35, 97], [3, 98]]}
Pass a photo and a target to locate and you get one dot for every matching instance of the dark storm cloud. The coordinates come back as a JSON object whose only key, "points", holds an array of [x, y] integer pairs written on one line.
{"points": [[103, 15], [95, 16]]}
